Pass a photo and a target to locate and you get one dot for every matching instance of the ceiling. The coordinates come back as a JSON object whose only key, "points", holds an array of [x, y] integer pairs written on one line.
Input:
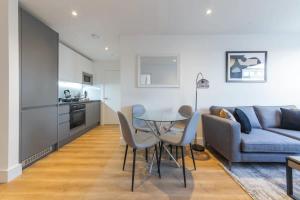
{"points": [[112, 18]]}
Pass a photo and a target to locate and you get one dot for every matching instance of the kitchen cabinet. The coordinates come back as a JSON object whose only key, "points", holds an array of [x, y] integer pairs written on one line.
{"points": [[67, 64], [39, 130], [92, 114], [72, 65], [92, 119], [39, 63], [64, 131], [64, 109], [39, 87], [63, 122]]}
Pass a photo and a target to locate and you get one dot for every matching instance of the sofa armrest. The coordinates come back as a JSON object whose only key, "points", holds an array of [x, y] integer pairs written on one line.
{"points": [[223, 135]]}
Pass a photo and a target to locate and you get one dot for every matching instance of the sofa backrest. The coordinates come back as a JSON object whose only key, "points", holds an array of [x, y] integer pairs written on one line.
{"points": [[250, 113], [270, 116], [215, 110], [248, 110]]}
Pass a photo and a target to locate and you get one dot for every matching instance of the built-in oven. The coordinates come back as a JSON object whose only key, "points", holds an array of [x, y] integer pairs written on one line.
{"points": [[77, 115]]}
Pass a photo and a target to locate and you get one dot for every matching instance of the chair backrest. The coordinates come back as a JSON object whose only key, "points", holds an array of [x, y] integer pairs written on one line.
{"points": [[190, 129], [126, 131], [137, 110], [186, 111]]}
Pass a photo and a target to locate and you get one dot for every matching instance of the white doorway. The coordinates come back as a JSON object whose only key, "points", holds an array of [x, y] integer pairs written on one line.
{"points": [[111, 96]]}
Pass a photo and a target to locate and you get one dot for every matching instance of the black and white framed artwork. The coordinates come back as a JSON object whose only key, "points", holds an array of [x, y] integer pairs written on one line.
{"points": [[246, 66]]}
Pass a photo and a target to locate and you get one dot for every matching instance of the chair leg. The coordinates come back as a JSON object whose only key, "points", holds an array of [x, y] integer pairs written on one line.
{"points": [[146, 155], [176, 152], [229, 165], [157, 161], [133, 169], [125, 156], [193, 156], [160, 152], [183, 166], [171, 150]]}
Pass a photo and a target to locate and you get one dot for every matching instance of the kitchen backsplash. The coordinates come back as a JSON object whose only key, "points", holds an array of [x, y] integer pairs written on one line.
{"points": [[76, 89], [94, 93]]}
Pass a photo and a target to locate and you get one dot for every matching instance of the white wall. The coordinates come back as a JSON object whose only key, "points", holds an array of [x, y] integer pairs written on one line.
{"points": [[99, 68], [206, 54], [101, 65], [9, 84], [108, 107]]}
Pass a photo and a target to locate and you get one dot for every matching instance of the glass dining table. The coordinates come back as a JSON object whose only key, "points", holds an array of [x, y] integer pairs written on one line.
{"points": [[155, 121]]}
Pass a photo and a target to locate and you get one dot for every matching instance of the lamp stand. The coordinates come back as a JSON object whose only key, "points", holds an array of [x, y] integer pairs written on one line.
{"points": [[198, 147], [195, 146]]}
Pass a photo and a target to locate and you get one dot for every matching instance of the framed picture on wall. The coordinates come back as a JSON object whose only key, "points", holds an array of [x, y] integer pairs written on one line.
{"points": [[246, 66]]}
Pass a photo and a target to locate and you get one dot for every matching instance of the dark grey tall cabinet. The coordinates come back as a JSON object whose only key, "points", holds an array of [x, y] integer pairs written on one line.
{"points": [[39, 86]]}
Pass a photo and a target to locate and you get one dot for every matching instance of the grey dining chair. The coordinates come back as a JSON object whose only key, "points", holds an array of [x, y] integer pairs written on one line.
{"points": [[137, 142], [178, 128], [186, 111], [181, 140], [139, 125]]}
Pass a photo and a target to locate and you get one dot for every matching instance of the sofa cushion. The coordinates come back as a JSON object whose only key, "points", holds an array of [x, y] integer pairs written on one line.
{"points": [[215, 110], [242, 118], [263, 141], [227, 115], [290, 119], [249, 111], [270, 116], [289, 133]]}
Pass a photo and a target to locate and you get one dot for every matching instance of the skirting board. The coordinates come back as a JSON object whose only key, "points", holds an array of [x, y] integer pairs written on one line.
{"points": [[11, 173]]}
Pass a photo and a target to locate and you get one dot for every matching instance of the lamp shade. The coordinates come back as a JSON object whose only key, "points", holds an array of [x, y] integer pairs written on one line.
{"points": [[203, 84]]}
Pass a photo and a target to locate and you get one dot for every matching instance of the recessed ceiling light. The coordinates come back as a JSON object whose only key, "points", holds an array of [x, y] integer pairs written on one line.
{"points": [[208, 12], [74, 13], [106, 48], [95, 36]]}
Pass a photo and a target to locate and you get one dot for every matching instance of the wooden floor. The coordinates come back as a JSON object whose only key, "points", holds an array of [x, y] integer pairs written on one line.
{"points": [[90, 168]]}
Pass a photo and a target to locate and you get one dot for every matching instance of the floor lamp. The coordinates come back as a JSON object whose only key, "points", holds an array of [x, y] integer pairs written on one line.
{"points": [[200, 84]]}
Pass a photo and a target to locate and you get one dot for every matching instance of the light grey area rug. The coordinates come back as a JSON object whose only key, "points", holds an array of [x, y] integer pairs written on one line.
{"points": [[264, 181]]}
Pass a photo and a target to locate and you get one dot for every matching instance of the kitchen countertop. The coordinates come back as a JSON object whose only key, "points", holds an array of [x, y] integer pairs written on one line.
{"points": [[67, 103]]}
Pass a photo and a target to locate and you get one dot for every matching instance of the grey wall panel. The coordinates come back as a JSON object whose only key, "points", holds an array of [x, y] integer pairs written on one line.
{"points": [[39, 63], [39, 130]]}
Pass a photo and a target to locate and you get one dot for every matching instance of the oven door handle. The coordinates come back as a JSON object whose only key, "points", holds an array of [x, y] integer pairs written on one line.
{"points": [[75, 111]]}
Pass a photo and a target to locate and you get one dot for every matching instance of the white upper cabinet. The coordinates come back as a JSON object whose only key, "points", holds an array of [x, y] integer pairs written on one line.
{"points": [[67, 64], [72, 64]]}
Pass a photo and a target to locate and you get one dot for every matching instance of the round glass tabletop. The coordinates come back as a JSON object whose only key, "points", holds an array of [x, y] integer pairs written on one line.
{"points": [[161, 116]]}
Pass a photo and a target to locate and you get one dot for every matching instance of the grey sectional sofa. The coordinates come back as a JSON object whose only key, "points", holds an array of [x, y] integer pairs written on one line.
{"points": [[267, 142]]}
